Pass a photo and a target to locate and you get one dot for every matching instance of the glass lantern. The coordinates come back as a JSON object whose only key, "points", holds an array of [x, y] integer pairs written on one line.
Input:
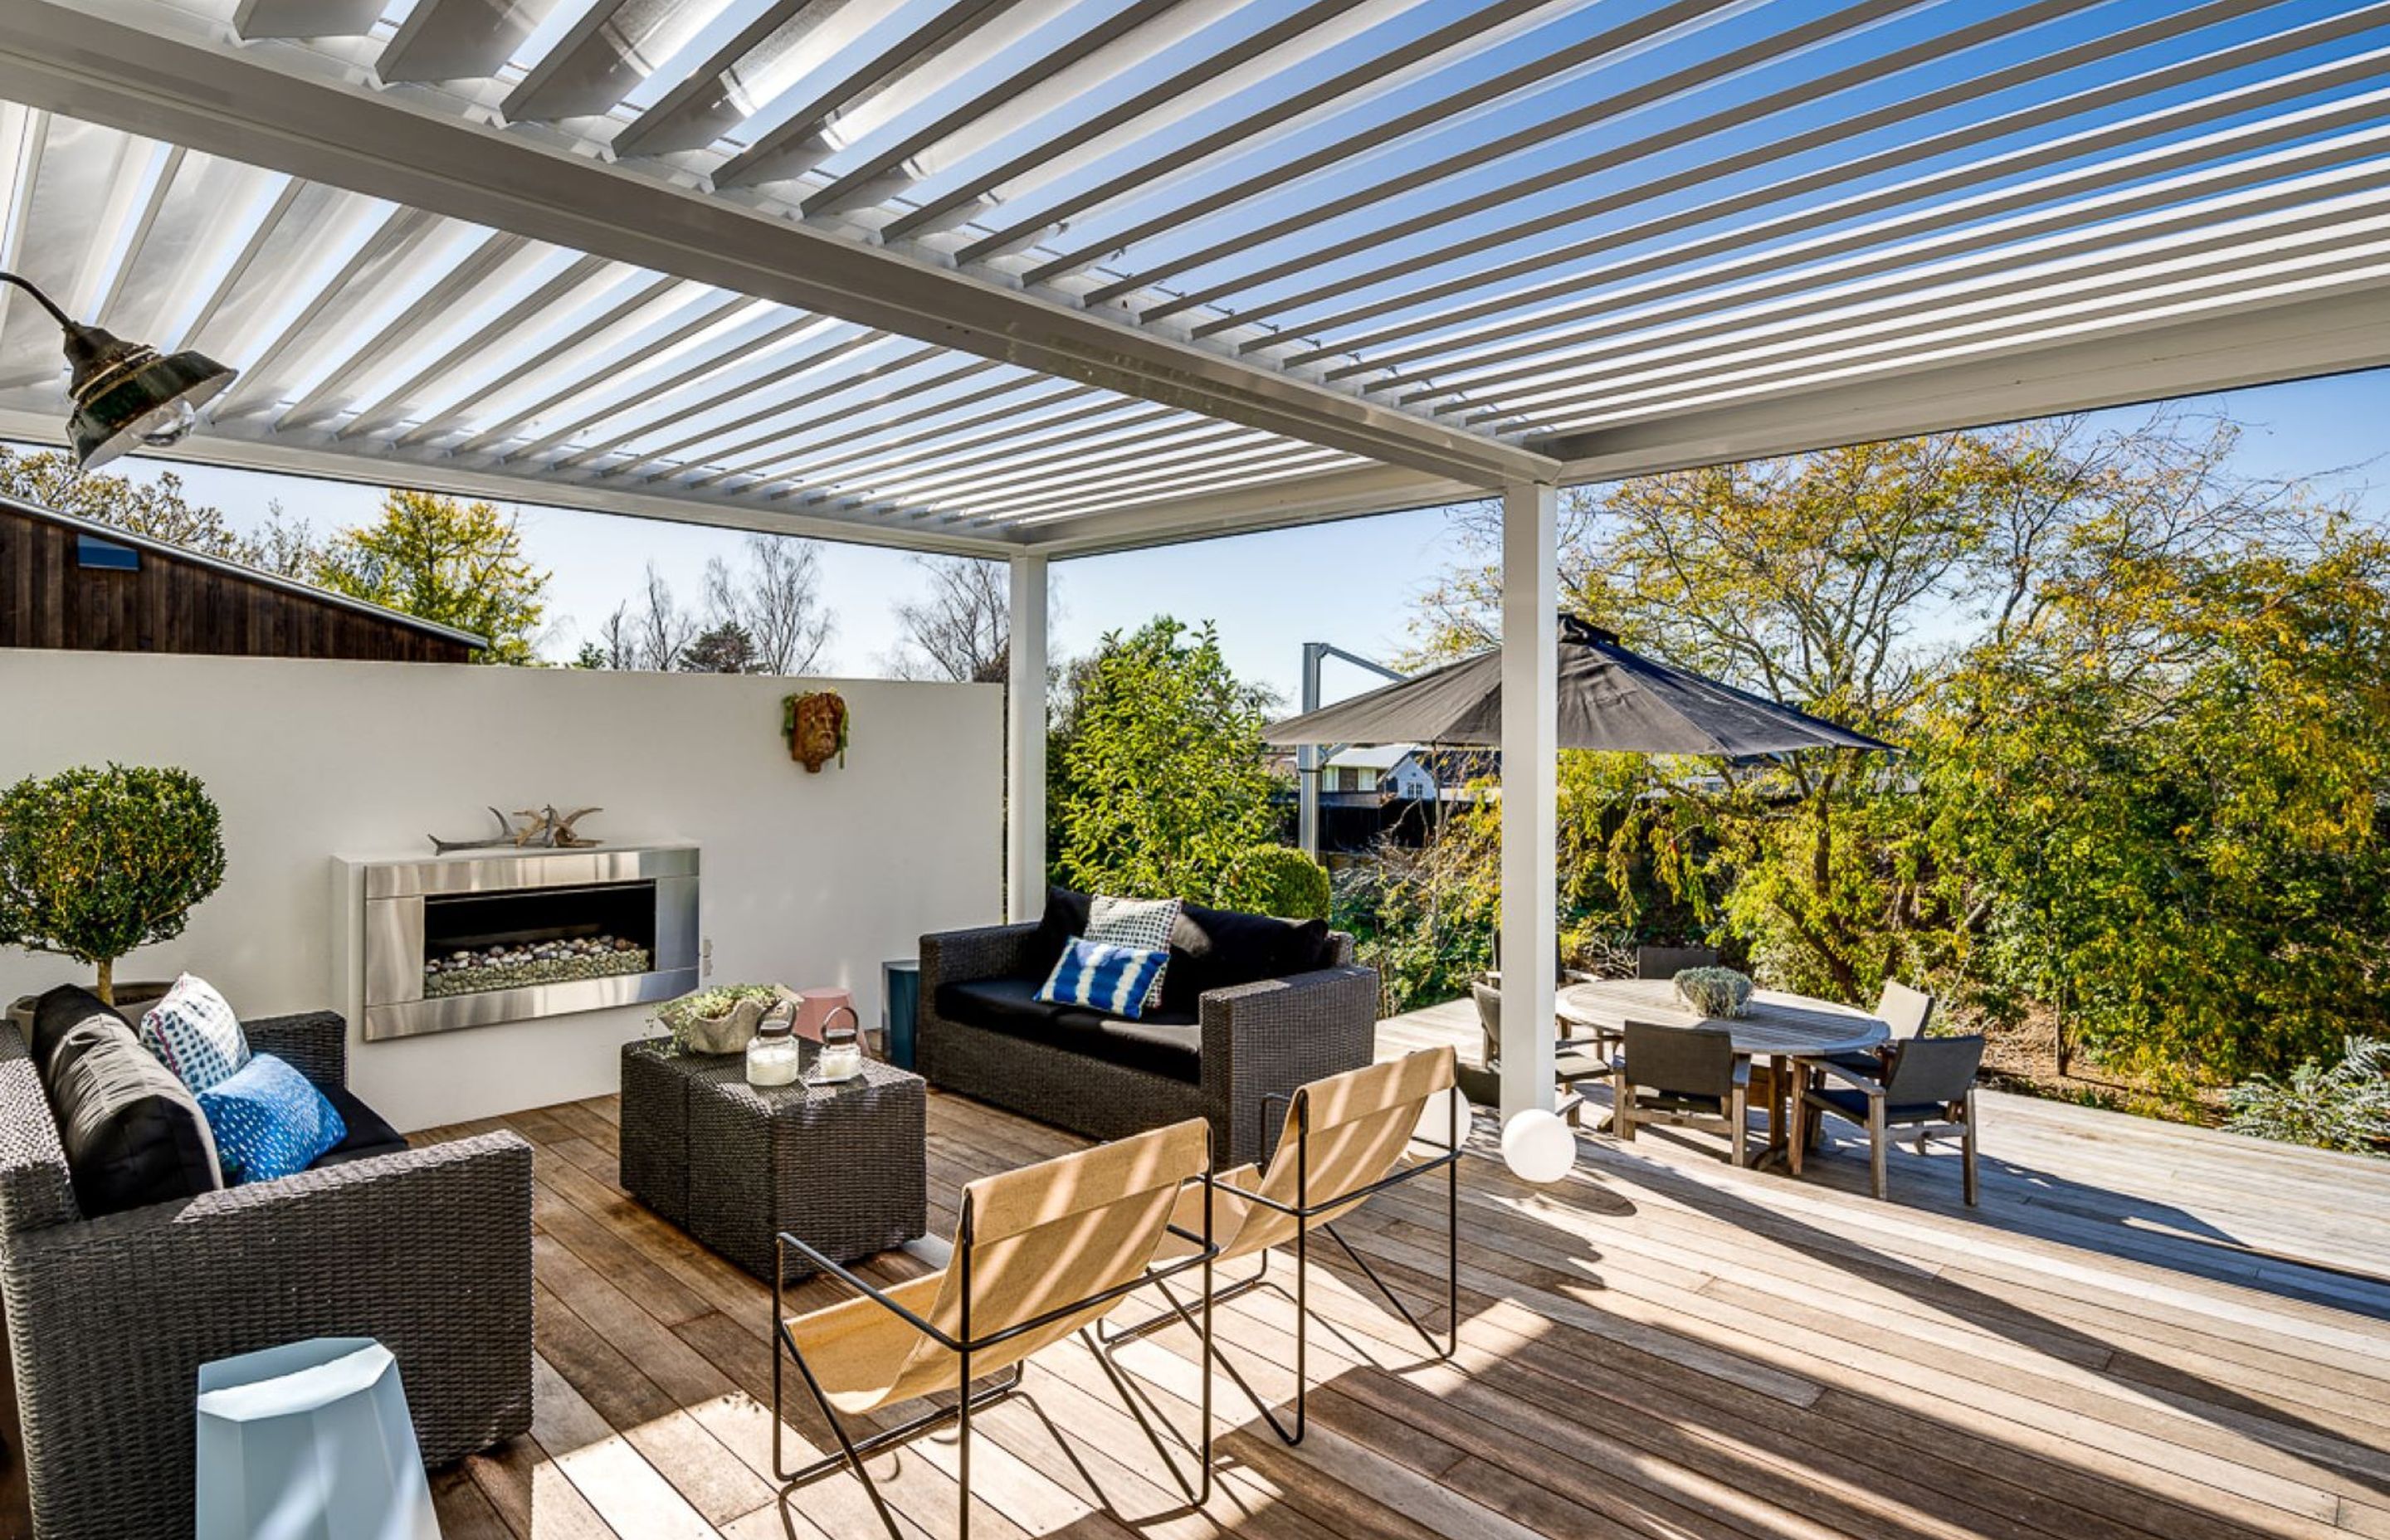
{"points": [[772, 1055], [841, 1049]]}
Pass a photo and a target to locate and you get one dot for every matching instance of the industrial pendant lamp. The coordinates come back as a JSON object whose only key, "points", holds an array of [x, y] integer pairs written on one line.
{"points": [[127, 393]]}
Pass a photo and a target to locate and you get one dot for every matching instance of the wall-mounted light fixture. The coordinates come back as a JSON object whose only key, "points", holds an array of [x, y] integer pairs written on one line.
{"points": [[127, 393]]}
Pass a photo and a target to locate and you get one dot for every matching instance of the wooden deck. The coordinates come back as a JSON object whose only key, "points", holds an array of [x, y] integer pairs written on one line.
{"points": [[2145, 1331]]}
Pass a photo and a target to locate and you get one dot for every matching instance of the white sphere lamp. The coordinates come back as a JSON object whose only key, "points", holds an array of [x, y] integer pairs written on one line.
{"points": [[1538, 1147]]}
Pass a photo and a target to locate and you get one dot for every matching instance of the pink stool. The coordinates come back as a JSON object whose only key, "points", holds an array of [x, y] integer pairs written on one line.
{"points": [[814, 1007]]}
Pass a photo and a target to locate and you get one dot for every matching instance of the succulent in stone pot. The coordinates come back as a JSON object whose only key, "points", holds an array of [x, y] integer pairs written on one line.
{"points": [[719, 1021], [1714, 991]]}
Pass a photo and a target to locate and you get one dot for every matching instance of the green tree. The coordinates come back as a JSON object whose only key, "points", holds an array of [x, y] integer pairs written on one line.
{"points": [[458, 564], [2141, 703], [95, 863], [1161, 779], [2163, 798], [724, 647]]}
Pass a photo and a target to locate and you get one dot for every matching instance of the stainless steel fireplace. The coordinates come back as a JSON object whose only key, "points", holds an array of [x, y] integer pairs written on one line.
{"points": [[472, 940]]}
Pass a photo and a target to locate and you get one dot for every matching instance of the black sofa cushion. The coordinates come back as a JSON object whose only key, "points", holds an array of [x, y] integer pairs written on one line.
{"points": [[1066, 916], [1222, 949], [1164, 1043], [133, 1132], [1208, 948], [369, 1133]]}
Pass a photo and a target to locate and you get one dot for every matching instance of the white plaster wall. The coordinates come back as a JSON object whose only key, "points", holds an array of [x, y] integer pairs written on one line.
{"points": [[807, 879]]}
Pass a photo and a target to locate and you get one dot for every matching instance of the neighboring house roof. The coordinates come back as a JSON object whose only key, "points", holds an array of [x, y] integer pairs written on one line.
{"points": [[1458, 766], [247, 573], [1377, 756]]}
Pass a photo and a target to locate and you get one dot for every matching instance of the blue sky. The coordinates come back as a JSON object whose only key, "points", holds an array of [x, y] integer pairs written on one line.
{"points": [[1355, 583]]}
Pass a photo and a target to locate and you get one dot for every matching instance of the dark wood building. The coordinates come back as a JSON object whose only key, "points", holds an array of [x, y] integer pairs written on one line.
{"points": [[70, 583]]}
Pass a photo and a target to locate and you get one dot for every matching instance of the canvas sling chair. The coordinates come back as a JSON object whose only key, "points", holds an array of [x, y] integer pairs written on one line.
{"points": [[1039, 1253], [1344, 1139]]}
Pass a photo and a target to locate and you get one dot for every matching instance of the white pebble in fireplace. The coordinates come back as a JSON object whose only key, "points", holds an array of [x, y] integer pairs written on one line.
{"points": [[473, 939]]}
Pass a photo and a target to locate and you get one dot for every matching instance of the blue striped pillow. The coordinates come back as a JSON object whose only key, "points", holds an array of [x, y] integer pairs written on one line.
{"points": [[1103, 977]]}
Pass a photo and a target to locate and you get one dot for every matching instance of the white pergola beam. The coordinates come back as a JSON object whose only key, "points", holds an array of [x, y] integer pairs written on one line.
{"points": [[1530, 792], [457, 39], [1475, 197], [2280, 203], [187, 90], [1655, 185], [1025, 734], [947, 199], [2129, 150], [2358, 269], [255, 19], [308, 455], [1015, 231], [2291, 340]]}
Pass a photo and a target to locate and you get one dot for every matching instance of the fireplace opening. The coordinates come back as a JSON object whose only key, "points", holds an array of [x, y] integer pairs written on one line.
{"points": [[474, 942]]}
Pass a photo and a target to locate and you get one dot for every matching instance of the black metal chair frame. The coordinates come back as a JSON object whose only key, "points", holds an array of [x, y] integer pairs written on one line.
{"points": [[1304, 1211], [852, 1451]]}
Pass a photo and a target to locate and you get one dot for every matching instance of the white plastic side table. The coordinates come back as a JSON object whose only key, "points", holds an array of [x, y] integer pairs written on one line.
{"points": [[310, 1442]]}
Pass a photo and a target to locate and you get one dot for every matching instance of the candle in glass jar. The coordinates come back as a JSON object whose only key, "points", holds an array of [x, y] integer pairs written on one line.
{"points": [[838, 1060], [772, 1057]]}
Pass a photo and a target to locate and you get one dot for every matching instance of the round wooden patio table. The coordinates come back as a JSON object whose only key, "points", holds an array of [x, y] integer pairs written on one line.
{"points": [[1783, 1028]]}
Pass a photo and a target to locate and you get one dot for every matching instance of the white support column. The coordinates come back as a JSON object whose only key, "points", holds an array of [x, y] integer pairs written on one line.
{"points": [[1530, 791], [1024, 737]]}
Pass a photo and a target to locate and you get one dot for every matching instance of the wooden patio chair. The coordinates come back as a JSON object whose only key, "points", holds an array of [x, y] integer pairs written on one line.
{"points": [[1575, 1060], [1667, 962], [1907, 1011], [1930, 1089], [1344, 1139], [1682, 1076], [1039, 1253]]}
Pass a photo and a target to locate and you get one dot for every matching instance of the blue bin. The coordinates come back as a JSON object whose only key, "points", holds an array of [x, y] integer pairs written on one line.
{"points": [[900, 1007]]}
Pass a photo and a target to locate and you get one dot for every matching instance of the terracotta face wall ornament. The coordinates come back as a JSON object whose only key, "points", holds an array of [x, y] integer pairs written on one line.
{"points": [[814, 723]]}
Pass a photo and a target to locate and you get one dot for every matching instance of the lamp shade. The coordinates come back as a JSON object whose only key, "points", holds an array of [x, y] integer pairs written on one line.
{"points": [[128, 394]]}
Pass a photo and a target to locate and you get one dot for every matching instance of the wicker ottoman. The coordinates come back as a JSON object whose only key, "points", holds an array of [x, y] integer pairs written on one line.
{"points": [[845, 1167]]}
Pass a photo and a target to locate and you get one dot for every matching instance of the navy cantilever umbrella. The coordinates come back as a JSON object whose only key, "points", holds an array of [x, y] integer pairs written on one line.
{"points": [[1611, 699]]}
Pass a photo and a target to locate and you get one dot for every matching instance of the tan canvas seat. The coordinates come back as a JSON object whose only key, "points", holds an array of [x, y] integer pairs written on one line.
{"points": [[1039, 1253], [1344, 1138]]}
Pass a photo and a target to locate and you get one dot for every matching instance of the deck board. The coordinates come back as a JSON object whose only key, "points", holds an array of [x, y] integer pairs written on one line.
{"points": [[2144, 1331]]}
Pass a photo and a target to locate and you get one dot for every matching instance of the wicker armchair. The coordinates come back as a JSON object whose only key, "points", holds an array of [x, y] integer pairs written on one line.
{"points": [[1257, 1040], [108, 1319]]}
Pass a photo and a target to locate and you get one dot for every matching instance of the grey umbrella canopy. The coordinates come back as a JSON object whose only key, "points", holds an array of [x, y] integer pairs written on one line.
{"points": [[1611, 699]]}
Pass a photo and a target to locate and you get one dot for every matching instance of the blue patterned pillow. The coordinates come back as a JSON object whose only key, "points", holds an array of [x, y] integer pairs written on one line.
{"points": [[1109, 979], [194, 1032], [268, 1121]]}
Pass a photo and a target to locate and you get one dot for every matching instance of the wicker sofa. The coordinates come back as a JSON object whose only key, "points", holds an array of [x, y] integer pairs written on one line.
{"points": [[426, 1249], [1217, 1053]]}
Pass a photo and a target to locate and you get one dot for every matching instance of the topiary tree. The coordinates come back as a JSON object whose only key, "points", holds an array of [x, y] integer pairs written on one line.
{"points": [[1277, 879], [95, 863]]}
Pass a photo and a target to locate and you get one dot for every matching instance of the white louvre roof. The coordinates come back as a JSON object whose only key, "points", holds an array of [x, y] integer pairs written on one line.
{"points": [[1090, 274]]}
